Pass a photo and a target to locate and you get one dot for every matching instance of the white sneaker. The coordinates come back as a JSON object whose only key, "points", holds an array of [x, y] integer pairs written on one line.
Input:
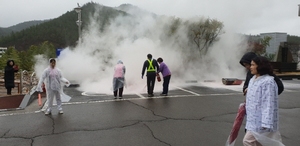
{"points": [[61, 112], [48, 112]]}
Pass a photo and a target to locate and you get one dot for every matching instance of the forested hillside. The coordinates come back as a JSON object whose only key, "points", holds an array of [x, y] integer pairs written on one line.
{"points": [[61, 31], [7, 31], [293, 39]]}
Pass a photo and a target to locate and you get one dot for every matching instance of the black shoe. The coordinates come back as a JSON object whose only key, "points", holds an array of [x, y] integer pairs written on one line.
{"points": [[115, 97], [150, 95], [163, 94], [120, 97]]}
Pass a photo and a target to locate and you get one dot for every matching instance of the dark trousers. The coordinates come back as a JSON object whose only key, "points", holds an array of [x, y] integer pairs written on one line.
{"points": [[166, 84], [8, 91], [120, 92], [150, 82]]}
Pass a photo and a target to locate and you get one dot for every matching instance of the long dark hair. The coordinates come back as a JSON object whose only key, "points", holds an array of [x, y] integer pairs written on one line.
{"points": [[263, 66]]}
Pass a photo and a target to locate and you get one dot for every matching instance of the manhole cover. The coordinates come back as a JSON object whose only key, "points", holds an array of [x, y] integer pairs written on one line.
{"points": [[93, 94]]}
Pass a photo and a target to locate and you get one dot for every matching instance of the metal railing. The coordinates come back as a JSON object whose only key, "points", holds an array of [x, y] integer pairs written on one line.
{"points": [[27, 81]]}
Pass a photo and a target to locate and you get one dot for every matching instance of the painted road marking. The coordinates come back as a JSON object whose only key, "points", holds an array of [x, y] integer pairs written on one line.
{"points": [[140, 95], [92, 94], [187, 91]]}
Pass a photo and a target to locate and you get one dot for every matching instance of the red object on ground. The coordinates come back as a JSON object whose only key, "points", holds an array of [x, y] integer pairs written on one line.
{"points": [[237, 123], [158, 77], [231, 81], [40, 99]]}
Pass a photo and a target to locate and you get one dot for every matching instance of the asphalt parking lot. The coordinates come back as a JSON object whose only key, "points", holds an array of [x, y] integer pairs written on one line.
{"points": [[192, 114]]}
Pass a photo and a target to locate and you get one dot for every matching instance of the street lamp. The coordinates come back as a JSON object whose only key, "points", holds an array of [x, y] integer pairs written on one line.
{"points": [[298, 66], [79, 22], [299, 10]]}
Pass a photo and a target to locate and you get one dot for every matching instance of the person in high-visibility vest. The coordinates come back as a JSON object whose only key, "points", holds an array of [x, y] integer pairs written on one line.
{"points": [[152, 67]]}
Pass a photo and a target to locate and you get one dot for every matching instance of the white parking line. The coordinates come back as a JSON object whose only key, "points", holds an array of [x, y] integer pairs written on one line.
{"points": [[92, 94], [187, 91], [287, 90], [125, 99], [140, 95]]}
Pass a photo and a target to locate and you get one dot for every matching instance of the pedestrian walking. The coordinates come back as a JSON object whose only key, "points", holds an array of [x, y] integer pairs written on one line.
{"points": [[119, 79], [262, 106], [152, 67], [53, 80], [245, 61], [166, 73]]}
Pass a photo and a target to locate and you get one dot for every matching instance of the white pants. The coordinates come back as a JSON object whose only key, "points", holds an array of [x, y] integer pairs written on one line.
{"points": [[51, 94], [249, 140], [262, 139]]}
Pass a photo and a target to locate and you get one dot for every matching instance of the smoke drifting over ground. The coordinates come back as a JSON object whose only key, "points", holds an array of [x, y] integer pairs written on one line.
{"points": [[130, 39]]}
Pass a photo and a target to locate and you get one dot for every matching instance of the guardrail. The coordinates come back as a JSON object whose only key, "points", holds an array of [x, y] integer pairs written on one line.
{"points": [[25, 80]]}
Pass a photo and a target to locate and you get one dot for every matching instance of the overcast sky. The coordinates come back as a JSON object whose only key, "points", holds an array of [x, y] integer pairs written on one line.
{"points": [[241, 16]]}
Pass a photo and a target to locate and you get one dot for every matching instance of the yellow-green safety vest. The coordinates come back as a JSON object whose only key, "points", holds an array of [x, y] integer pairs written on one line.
{"points": [[150, 68]]}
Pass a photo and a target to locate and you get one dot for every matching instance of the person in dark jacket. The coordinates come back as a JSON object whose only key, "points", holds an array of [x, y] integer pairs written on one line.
{"points": [[152, 67], [9, 76], [246, 61]]}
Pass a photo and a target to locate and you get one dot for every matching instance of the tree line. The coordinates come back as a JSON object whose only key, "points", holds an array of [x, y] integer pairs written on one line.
{"points": [[61, 31], [25, 59]]}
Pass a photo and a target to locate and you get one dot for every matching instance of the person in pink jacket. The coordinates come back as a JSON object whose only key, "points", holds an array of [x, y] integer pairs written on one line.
{"points": [[119, 79]]}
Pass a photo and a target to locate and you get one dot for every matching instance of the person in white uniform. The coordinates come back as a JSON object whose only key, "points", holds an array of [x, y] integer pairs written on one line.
{"points": [[262, 106], [53, 82]]}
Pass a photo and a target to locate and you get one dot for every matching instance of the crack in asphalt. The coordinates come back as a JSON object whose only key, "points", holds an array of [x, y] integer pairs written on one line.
{"points": [[200, 119], [4, 134], [32, 140], [20, 137], [53, 123], [152, 133], [148, 109], [103, 129]]}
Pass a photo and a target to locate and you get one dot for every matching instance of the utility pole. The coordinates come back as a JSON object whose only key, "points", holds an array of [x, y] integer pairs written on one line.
{"points": [[78, 22]]}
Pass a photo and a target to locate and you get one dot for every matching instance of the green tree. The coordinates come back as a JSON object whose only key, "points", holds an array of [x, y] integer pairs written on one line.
{"points": [[271, 57], [204, 33], [3, 60], [265, 42], [47, 49], [10, 54], [27, 61]]}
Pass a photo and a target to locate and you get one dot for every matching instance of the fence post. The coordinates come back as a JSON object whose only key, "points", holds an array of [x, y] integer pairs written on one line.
{"points": [[21, 81], [31, 79]]}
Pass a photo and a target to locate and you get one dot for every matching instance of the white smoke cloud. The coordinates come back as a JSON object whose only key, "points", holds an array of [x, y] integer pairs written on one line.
{"points": [[130, 39]]}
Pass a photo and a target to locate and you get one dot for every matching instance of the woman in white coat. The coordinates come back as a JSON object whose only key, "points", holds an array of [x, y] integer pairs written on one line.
{"points": [[262, 106], [53, 82]]}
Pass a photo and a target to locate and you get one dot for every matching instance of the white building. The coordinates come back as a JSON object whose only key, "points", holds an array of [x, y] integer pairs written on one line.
{"points": [[2, 51], [276, 39]]}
